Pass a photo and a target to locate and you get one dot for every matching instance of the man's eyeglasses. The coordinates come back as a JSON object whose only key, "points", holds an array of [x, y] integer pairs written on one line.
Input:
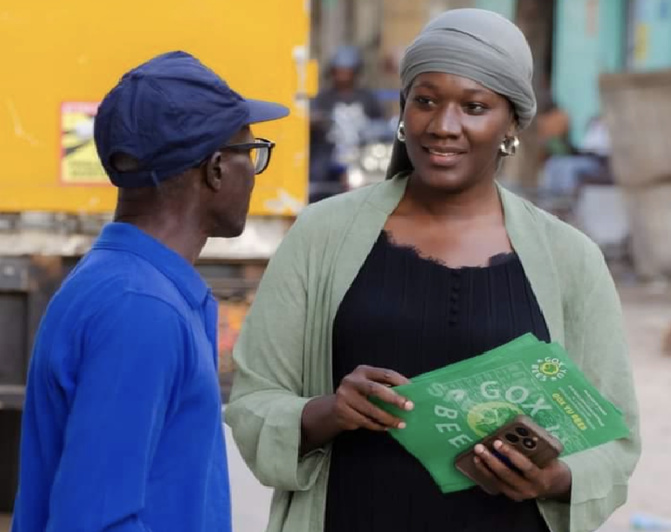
{"points": [[259, 152]]}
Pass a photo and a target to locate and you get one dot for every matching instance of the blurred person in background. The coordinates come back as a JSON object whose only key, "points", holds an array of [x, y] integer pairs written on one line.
{"points": [[563, 173], [436, 265], [341, 116], [554, 125], [122, 428]]}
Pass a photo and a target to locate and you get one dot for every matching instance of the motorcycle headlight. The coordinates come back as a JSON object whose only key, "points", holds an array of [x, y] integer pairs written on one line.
{"points": [[379, 151], [355, 178], [370, 164]]}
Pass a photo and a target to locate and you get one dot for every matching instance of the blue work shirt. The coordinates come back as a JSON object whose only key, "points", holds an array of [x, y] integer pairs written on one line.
{"points": [[122, 427]]}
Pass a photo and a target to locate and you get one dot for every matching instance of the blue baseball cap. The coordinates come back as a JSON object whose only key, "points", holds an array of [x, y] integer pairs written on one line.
{"points": [[170, 114]]}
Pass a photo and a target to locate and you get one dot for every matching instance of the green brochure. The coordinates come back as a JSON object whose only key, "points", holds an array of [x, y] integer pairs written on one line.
{"points": [[458, 405]]}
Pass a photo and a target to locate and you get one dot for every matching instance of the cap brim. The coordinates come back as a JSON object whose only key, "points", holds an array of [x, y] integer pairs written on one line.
{"points": [[260, 111]]}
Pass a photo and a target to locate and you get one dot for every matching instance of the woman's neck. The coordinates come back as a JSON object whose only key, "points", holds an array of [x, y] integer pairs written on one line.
{"points": [[478, 201]]}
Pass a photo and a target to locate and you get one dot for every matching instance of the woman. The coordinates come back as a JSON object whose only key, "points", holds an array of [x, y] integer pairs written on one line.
{"points": [[433, 266]]}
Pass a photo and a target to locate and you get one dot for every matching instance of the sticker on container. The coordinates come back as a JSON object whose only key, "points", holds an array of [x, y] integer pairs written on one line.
{"points": [[79, 160]]}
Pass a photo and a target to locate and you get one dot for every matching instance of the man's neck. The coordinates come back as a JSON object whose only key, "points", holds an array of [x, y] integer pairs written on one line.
{"points": [[185, 239]]}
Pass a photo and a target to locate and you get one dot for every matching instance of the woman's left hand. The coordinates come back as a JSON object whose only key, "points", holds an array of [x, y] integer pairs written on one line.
{"points": [[531, 482]]}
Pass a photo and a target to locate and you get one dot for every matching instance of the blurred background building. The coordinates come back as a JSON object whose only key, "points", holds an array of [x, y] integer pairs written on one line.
{"points": [[622, 196], [573, 41]]}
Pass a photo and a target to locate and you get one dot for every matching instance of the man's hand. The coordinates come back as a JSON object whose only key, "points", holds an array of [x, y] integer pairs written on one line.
{"points": [[531, 482]]}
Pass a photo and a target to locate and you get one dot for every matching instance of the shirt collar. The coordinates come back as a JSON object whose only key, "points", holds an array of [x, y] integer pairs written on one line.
{"points": [[126, 237]]}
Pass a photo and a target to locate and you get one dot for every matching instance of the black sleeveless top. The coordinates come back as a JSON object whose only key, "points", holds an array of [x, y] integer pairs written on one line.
{"points": [[412, 314]]}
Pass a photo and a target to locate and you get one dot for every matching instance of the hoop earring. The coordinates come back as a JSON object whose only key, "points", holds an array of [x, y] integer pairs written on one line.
{"points": [[400, 134], [509, 146]]}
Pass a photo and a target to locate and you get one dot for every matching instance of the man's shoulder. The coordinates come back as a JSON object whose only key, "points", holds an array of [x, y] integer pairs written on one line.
{"points": [[97, 304], [367, 94], [114, 306], [324, 99], [105, 275]]}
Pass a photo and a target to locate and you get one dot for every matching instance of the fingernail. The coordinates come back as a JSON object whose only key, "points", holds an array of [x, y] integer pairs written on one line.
{"points": [[498, 444], [409, 405], [476, 460], [401, 425], [479, 448]]}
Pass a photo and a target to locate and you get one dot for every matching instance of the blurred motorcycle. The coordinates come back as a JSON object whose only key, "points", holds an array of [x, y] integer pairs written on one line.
{"points": [[370, 165], [362, 153]]}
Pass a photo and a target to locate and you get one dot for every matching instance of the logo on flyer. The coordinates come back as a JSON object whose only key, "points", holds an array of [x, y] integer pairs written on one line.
{"points": [[485, 418], [551, 369]]}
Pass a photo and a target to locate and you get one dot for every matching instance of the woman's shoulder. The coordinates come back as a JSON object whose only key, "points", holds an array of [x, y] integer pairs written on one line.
{"points": [[338, 211], [567, 244]]}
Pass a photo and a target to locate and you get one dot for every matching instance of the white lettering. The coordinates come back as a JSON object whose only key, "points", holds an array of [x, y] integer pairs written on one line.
{"points": [[448, 427], [488, 390], [522, 394], [443, 411], [461, 441], [436, 389], [540, 405], [457, 395], [554, 430]]}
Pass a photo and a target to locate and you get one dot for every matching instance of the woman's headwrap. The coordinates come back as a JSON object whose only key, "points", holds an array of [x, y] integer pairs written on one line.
{"points": [[476, 44]]}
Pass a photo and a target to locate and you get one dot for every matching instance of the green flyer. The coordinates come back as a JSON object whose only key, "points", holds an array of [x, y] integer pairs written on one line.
{"points": [[458, 405]]}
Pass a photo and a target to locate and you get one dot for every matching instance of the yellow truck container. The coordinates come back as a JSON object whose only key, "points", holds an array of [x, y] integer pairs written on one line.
{"points": [[61, 57]]}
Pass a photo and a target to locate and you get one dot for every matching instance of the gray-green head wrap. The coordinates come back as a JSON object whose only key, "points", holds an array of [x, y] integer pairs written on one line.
{"points": [[479, 45], [476, 44]]}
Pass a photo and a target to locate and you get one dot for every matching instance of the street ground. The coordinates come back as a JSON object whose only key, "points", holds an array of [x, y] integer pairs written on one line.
{"points": [[648, 321], [648, 318]]}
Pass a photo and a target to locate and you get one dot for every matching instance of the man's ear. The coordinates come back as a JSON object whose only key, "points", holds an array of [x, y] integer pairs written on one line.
{"points": [[214, 171]]}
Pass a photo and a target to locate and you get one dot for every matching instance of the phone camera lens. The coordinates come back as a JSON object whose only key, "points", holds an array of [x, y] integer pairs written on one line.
{"points": [[522, 432], [529, 443], [512, 438]]}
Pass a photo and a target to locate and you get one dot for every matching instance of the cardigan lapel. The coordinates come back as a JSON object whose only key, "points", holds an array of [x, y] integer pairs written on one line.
{"points": [[530, 242], [361, 235]]}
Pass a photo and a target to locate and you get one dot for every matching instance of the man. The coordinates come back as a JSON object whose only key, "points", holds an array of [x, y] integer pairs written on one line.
{"points": [[340, 117], [122, 423]]}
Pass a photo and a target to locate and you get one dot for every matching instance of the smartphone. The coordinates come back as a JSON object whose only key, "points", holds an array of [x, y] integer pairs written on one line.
{"points": [[525, 436]]}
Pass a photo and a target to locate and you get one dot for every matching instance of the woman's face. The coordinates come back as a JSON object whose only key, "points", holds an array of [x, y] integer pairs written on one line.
{"points": [[454, 127]]}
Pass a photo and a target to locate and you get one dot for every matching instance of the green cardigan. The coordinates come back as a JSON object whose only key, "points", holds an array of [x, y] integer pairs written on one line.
{"points": [[283, 355]]}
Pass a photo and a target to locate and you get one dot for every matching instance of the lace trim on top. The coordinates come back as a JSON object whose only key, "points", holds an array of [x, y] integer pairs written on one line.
{"points": [[495, 260]]}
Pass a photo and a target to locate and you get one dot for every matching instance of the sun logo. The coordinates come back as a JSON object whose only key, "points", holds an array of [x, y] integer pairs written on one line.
{"points": [[548, 369]]}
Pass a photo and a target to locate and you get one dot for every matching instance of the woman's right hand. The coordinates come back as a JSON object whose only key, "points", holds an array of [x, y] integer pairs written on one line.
{"points": [[351, 408], [324, 417]]}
